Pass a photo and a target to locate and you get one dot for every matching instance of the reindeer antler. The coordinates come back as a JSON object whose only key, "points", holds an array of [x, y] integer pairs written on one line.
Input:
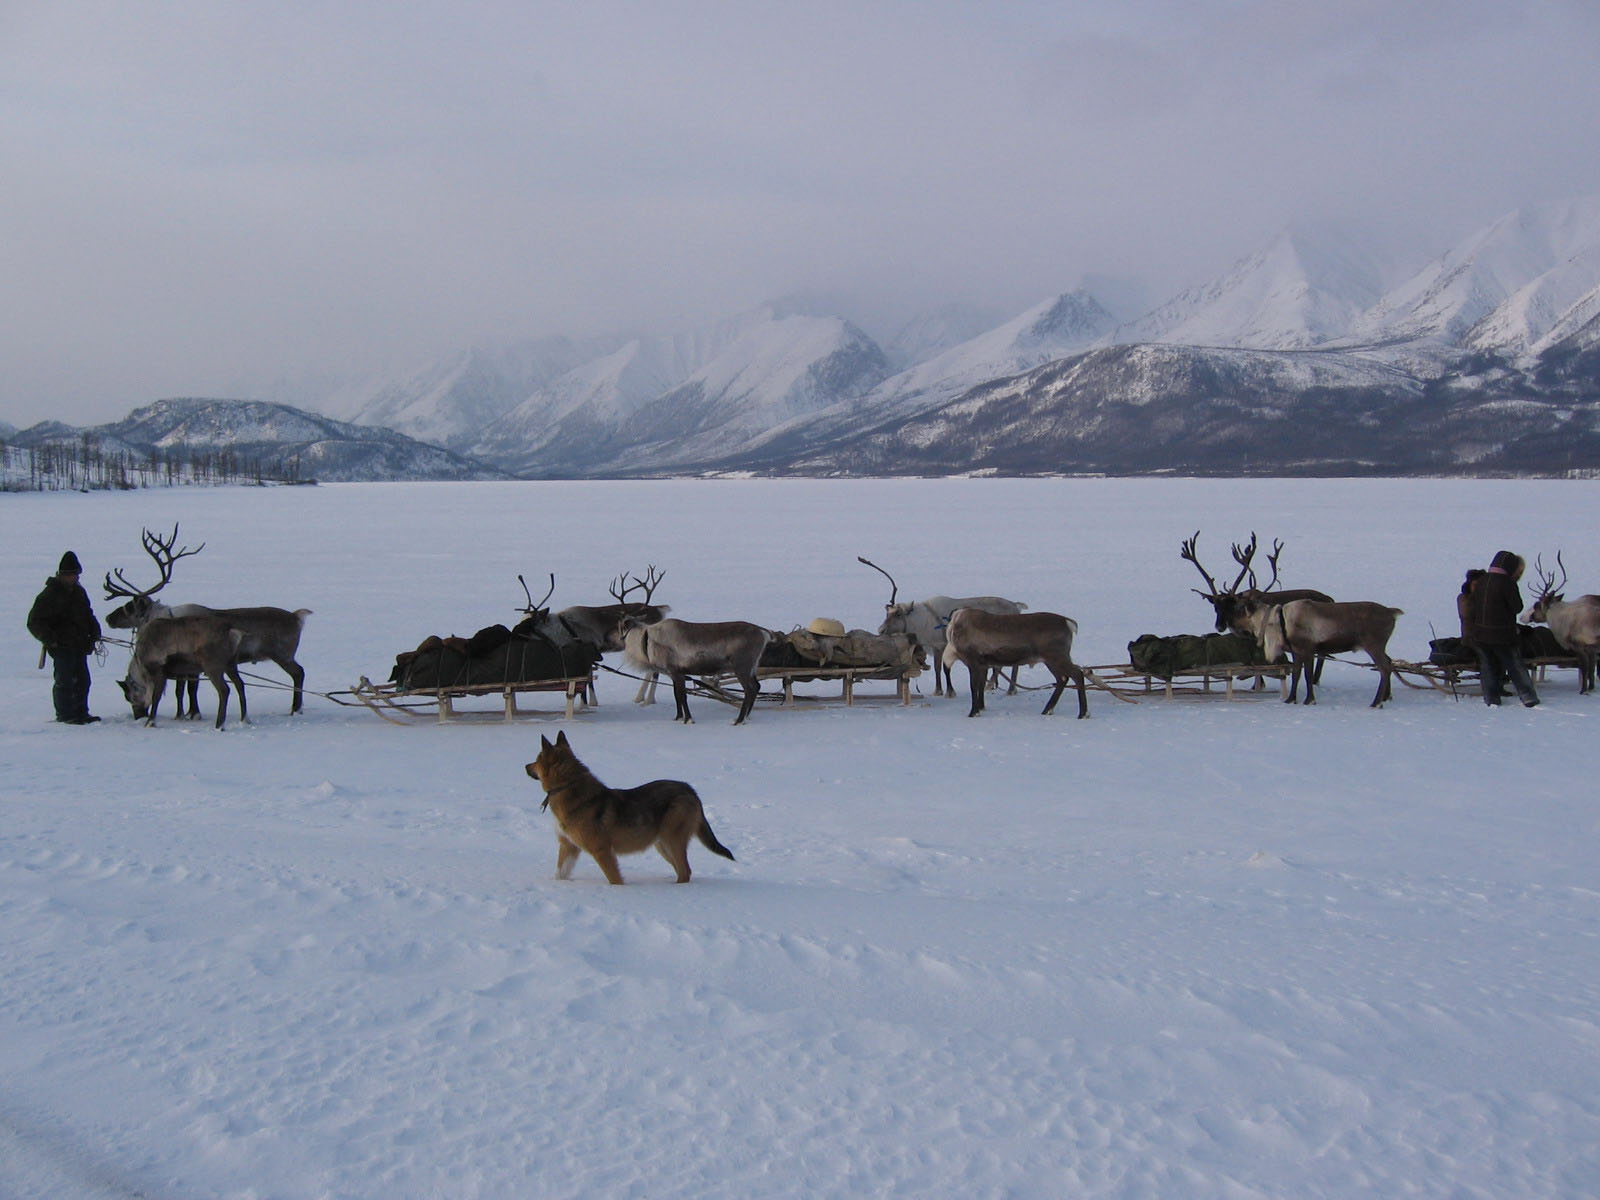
{"points": [[1547, 580], [1272, 561], [159, 549], [1244, 555], [1187, 550], [533, 608], [894, 588], [652, 580]]}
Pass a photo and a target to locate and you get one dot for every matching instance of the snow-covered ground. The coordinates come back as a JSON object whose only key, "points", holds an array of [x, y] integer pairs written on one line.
{"points": [[1177, 950]]}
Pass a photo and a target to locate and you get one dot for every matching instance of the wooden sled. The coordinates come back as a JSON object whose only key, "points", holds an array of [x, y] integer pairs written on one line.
{"points": [[847, 678], [726, 688], [1219, 679], [419, 705]]}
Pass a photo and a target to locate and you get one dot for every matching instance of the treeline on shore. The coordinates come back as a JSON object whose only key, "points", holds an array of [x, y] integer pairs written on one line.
{"points": [[84, 466]]}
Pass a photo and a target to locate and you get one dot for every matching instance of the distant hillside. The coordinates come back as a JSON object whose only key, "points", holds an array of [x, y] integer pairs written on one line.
{"points": [[206, 440]]}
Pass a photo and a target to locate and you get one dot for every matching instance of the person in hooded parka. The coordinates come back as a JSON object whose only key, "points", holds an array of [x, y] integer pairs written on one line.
{"points": [[63, 619]]}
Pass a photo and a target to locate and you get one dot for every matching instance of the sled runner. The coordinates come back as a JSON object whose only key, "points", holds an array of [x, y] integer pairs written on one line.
{"points": [[1218, 679], [412, 706]]}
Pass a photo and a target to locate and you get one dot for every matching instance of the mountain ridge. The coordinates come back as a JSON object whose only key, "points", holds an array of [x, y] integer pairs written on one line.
{"points": [[1482, 358]]}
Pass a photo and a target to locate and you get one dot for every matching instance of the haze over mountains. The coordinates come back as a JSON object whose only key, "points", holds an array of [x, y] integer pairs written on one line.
{"points": [[1314, 354]]}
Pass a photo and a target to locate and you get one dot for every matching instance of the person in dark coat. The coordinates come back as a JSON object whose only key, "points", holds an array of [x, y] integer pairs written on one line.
{"points": [[62, 618], [1490, 624]]}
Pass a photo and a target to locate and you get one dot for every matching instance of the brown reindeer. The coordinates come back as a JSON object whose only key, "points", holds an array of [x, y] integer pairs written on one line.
{"points": [[985, 640], [684, 648], [1307, 629], [171, 647], [266, 633]]}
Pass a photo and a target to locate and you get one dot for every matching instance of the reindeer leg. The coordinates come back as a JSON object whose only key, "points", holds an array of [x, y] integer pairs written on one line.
{"points": [[1382, 660], [158, 685], [222, 697], [976, 674], [680, 698], [647, 689], [1061, 685], [1302, 666], [238, 686], [1012, 690], [752, 689], [297, 676], [1083, 692]]}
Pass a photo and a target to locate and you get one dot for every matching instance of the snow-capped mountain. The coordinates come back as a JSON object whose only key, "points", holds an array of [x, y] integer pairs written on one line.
{"points": [[595, 398], [1053, 329], [937, 330], [1302, 289], [1294, 360], [1500, 289], [451, 402], [672, 399], [1156, 408], [772, 376], [1578, 324]]}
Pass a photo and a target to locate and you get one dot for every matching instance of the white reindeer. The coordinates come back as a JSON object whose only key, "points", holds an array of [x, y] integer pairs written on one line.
{"points": [[1575, 623]]}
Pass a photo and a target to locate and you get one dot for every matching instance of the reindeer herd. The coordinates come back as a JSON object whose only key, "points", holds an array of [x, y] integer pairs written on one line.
{"points": [[988, 634]]}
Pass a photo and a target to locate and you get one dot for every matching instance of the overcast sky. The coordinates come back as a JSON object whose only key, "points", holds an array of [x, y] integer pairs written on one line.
{"points": [[199, 194]]}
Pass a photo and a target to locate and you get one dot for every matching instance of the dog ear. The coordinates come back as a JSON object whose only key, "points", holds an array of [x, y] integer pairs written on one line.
{"points": [[544, 742], [561, 738]]}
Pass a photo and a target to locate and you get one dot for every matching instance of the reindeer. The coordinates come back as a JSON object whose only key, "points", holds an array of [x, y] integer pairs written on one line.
{"points": [[985, 640], [597, 629], [1575, 623], [1308, 629], [266, 633], [601, 625], [684, 648], [172, 647], [1234, 608], [925, 621]]}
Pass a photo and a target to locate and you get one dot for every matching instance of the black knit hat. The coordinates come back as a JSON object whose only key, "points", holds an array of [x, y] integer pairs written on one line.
{"points": [[69, 565]]}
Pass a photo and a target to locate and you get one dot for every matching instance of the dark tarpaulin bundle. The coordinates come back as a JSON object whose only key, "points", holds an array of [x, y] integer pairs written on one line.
{"points": [[1165, 656], [493, 655]]}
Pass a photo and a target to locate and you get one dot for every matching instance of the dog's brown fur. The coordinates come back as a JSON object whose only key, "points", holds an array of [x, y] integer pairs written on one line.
{"points": [[607, 822]]}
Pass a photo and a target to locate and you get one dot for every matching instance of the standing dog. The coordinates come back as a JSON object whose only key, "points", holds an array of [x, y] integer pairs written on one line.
{"points": [[607, 822]]}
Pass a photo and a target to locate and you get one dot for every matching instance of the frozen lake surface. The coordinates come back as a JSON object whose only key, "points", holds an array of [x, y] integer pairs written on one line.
{"points": [[1188, 950]]}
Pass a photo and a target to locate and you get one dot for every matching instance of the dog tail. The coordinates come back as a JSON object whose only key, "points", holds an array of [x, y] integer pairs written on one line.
{"points": [[709, 840]]}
